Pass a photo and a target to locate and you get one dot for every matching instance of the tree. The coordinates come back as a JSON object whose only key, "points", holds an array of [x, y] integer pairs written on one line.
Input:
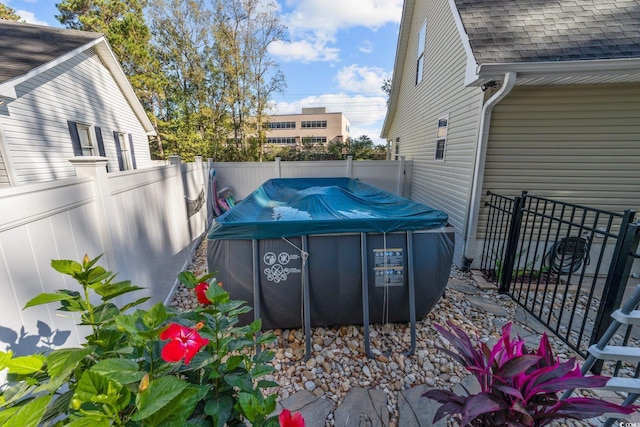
{"points": [[386, 87], [8, 14], [244, 31]]}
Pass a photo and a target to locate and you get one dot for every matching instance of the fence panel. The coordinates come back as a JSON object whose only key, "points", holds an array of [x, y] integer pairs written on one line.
{"points": [[557, 265]]}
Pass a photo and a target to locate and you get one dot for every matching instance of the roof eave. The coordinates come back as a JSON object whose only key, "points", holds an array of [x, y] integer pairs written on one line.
{"points": [[542, 70]]}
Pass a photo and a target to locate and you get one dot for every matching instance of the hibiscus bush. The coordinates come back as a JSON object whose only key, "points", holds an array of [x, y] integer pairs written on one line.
{"points": [[518, 387], [151, 367]]}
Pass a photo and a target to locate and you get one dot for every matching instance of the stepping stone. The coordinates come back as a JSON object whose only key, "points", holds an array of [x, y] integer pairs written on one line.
{"points": [[314, 409], [362, 408], [525, 318], [417, 411], [462, 286], [488, 306]]}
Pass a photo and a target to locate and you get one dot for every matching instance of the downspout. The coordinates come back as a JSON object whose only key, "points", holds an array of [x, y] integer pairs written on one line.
{"points": [[481, 154]]}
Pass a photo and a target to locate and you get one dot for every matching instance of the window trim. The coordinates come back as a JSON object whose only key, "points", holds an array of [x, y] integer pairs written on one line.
{"points": [[420, 54], [92, 147], [441, 139]]}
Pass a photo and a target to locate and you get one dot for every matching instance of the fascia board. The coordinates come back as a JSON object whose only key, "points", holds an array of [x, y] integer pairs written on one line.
{"points": [[398, 68]]}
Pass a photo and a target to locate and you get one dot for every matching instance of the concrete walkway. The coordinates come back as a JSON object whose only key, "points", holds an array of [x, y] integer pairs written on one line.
{"points": [[368, 407]]}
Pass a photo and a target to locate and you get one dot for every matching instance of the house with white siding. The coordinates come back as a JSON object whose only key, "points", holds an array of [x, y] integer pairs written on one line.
{"points": [[64, 94], [514, 95]]}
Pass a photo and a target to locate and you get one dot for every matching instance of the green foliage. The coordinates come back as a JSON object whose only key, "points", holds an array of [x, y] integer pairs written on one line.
{"points": [[361, 148], [119, 376], [8, 14]]}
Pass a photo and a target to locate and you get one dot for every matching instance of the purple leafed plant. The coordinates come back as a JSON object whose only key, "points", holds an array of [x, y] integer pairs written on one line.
{"points": [[518, 387]]}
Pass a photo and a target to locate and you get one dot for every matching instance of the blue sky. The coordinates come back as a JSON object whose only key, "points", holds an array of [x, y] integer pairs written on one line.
{"points": [[337, 55]]}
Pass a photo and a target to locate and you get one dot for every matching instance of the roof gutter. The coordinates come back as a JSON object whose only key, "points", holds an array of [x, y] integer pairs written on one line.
{"points": [[481, 152], [589, 67]]}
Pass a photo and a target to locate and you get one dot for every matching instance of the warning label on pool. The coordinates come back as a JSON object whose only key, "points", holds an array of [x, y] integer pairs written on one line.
{"points": [[388, 267], [277, 266]]}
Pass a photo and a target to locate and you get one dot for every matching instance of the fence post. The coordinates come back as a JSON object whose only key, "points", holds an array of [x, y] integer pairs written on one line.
{"points": [[349, 166], [617, 276], [96, 168], [278, 167], [509, 255], [400, 178]]}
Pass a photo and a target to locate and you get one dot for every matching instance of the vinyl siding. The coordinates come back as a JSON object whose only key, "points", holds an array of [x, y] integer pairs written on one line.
{"points": [[443, 185], [4, 176], [81, 90], [578, 144]]}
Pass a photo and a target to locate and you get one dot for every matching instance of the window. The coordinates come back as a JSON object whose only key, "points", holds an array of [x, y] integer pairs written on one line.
{"points": [[315, 139], [282, 125], [314, 124], [281, 140], [86, 140], [441, 137], [126, 154], [397, 151], [420, 55]]}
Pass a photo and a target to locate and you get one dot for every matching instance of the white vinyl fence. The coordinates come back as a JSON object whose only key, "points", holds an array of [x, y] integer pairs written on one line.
{"points": [[393, 176], [146, 222]]}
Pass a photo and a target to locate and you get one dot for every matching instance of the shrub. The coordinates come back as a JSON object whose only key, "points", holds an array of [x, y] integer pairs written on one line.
{"points": [[518, 387], [145, 368]]}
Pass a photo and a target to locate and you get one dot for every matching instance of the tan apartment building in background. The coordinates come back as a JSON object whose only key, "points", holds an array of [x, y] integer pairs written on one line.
{"points": [[314, 125]]}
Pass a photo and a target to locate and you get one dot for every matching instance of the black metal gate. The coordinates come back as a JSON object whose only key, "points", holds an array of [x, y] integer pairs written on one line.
{"points": [[565, 264]]}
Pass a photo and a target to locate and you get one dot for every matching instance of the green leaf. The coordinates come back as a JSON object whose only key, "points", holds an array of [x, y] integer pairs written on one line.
{"points": [[242, 380], [25, 365], [238, 344], [159, 393], [264, 356], [96, 388], [97, 274], [30, 414], [49, 298], [111, 290], [15, 392], [188, 279], [64, 361], [5, 414], [176, 412], [58, 407], [133, 304], [261, 370], [155, 316], [256, 325], [66, 266], [123, 371], [219, 410], [89, 421], [266, 384], [216, 294], [250, 406], [233, 362]]}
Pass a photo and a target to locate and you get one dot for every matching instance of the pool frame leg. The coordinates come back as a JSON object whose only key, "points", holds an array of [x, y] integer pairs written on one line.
{"points": [[412, 294], [256, 286], [306, 301], [365, 294]]}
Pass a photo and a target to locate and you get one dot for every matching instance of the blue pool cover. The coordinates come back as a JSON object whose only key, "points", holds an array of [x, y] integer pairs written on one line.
{"points": [[287, 207]]}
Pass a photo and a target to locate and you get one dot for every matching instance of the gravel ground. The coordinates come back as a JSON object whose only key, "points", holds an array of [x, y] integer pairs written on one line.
{"points": [[338, 362]]}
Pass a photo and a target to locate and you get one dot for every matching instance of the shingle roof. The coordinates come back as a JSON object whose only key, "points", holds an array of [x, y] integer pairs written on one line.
{"points": [[506, 31], [24, 47]]}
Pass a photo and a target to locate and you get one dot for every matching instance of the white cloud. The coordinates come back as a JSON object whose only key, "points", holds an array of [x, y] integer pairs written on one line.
{"points": [[366, 113], [361, 79], [313, 25], [366, 46], [303, 51], [30, 17], [326, 17]]}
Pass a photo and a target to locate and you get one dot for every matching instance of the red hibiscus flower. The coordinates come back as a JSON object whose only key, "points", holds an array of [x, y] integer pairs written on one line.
{"points": [[287, 419], [185, 343], [200, 289]]}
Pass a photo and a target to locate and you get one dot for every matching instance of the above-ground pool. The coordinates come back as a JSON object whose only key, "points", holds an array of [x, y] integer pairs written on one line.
{"points": [[331, 251]]}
